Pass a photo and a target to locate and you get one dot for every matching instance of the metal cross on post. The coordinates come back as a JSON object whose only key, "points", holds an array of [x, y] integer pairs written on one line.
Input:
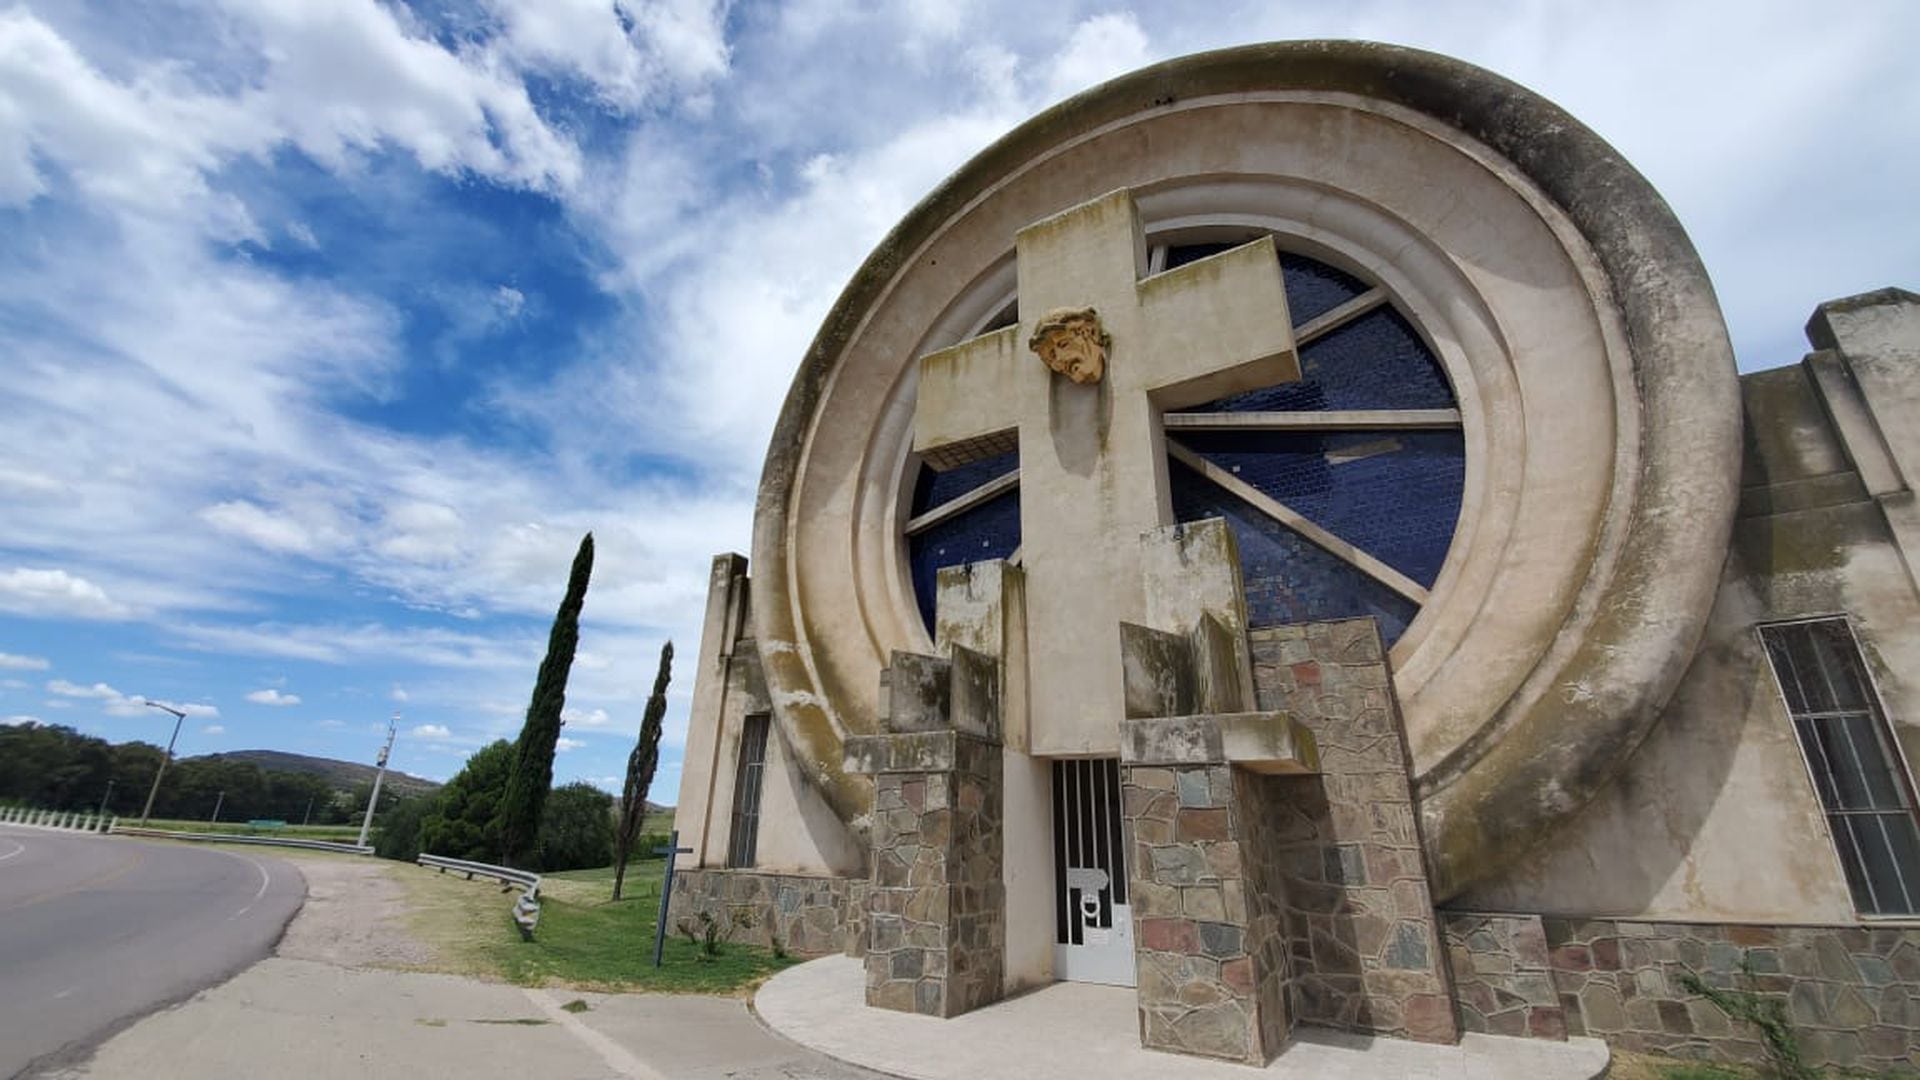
{"points": [[672, 850]]}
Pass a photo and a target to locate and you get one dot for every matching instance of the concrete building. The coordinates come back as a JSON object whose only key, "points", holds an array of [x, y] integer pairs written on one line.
{"points": [[1283, 530]]}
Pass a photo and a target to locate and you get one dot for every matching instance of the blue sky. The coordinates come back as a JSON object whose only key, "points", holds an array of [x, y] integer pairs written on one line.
{"points": [[327, 327]]}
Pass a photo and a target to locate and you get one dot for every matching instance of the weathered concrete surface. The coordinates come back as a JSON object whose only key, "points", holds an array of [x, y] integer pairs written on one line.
{"points": [[800, 834], [1715, 817], [304, 1018], [1566, 303], [1079, 1030], [1093, 470]]}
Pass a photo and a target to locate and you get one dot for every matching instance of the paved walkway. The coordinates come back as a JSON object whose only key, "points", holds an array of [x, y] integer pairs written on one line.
{"points": [[305, 1018], [1077, 1029]]}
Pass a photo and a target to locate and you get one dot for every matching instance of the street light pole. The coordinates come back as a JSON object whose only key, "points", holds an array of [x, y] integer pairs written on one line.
{"points": [[107, 796], [217, 804], [155, 789], [366, 823]]}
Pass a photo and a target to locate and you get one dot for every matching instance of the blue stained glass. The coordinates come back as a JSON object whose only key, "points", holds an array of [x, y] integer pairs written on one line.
{"points": [[1314, 288], [1374, 362], [1181, 254], [1393, 494], [939, 488], [1288, 580], [988, 531]]}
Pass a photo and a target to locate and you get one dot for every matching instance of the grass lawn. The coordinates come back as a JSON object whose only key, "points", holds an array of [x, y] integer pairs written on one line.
{"points": [[1630, 1066], [585, 939]]}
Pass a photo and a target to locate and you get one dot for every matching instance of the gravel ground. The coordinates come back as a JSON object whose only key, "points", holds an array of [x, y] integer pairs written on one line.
{"points": [[355, 916]]}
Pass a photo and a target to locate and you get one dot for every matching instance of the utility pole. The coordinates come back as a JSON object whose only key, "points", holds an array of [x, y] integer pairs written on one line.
{"points": [[155, 789], [305, 821], [217, 804], [104, 798], [373, 800]]}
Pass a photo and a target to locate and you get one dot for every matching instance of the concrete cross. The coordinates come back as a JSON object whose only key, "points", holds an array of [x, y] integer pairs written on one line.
{"points": [[1093, 463]]}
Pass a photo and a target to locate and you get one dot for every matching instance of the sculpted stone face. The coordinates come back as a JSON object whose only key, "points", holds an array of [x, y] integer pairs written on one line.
{"points": [[1071, 342]]}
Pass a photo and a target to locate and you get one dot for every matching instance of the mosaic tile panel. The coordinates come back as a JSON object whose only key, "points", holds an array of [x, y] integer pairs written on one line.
{"points": [[1377, 361], [1287, 579], [1393, 494], [988, 531]]}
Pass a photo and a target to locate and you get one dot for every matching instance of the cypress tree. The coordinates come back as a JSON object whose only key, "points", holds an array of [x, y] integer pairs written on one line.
{"points": [[532, 774], [640, 766]]}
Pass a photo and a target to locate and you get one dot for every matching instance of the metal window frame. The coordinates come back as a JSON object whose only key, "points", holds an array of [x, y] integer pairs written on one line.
{"points": [[1902, 768], [749, 780]]}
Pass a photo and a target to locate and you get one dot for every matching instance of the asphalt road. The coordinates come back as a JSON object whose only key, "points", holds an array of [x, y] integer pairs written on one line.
{"points": [[96, 931]]}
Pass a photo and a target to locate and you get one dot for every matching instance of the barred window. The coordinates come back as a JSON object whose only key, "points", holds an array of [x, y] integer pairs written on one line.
{"points": [[1856, 766], [741, 847]]}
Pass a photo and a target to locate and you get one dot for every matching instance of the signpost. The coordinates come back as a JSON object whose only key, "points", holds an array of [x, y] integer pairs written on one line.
{"points": [[672, 850]]}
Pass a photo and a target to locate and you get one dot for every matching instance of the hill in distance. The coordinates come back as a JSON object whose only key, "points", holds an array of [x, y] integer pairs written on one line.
{"points": [[344, 775]]}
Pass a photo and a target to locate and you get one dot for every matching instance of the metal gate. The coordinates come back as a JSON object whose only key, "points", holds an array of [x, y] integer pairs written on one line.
{"points": [[1093, 925]]}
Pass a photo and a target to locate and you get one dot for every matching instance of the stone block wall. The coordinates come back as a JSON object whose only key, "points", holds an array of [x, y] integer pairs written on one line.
{"points": [[808, 914], [1852, 993], [1503, 977], [936, 904], [1211, 961], [1366, 951]]}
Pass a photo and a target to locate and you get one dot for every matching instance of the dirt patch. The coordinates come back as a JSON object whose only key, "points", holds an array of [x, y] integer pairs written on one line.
{"points": [[356, 915]]}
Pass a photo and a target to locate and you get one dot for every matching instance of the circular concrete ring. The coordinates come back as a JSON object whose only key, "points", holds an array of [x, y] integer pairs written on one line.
{"points": [[1597, 389]]}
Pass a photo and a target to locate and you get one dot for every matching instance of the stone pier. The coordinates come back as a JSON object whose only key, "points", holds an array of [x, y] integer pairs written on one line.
{"points": [[936, 901]]}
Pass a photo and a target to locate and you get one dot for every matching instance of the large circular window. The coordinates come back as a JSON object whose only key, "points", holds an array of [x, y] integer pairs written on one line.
{"points": [[1515, 443], [1342, 488]]}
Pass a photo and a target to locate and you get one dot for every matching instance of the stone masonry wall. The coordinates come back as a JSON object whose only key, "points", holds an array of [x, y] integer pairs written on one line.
{"points": [[1502, 976], [1206, 984], [808, 914], [1852, 993], [1366, 953], [936, 937]]}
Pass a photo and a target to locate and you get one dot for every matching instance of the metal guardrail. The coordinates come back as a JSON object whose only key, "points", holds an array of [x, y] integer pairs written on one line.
{"points": [[234, 838], [28, 817], [526, 910]]}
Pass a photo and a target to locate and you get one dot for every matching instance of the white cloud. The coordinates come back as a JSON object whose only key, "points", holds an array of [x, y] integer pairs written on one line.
{"points": [[331, 725], [20, 720], [16, 662], [273, 697], [1099, 49], [591, 718], [275, 532], [114, 703], [432, 731], [98, 690], [564, 744], [58, 594], [213, 729], [399, 693]]}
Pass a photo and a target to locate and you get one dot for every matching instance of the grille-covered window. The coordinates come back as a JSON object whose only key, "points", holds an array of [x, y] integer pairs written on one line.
{"points": [[1855, 765], [742, 845]]}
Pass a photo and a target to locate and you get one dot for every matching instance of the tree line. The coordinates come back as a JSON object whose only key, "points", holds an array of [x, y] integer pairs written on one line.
{"points": [[502, 807], [57, 768]]}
